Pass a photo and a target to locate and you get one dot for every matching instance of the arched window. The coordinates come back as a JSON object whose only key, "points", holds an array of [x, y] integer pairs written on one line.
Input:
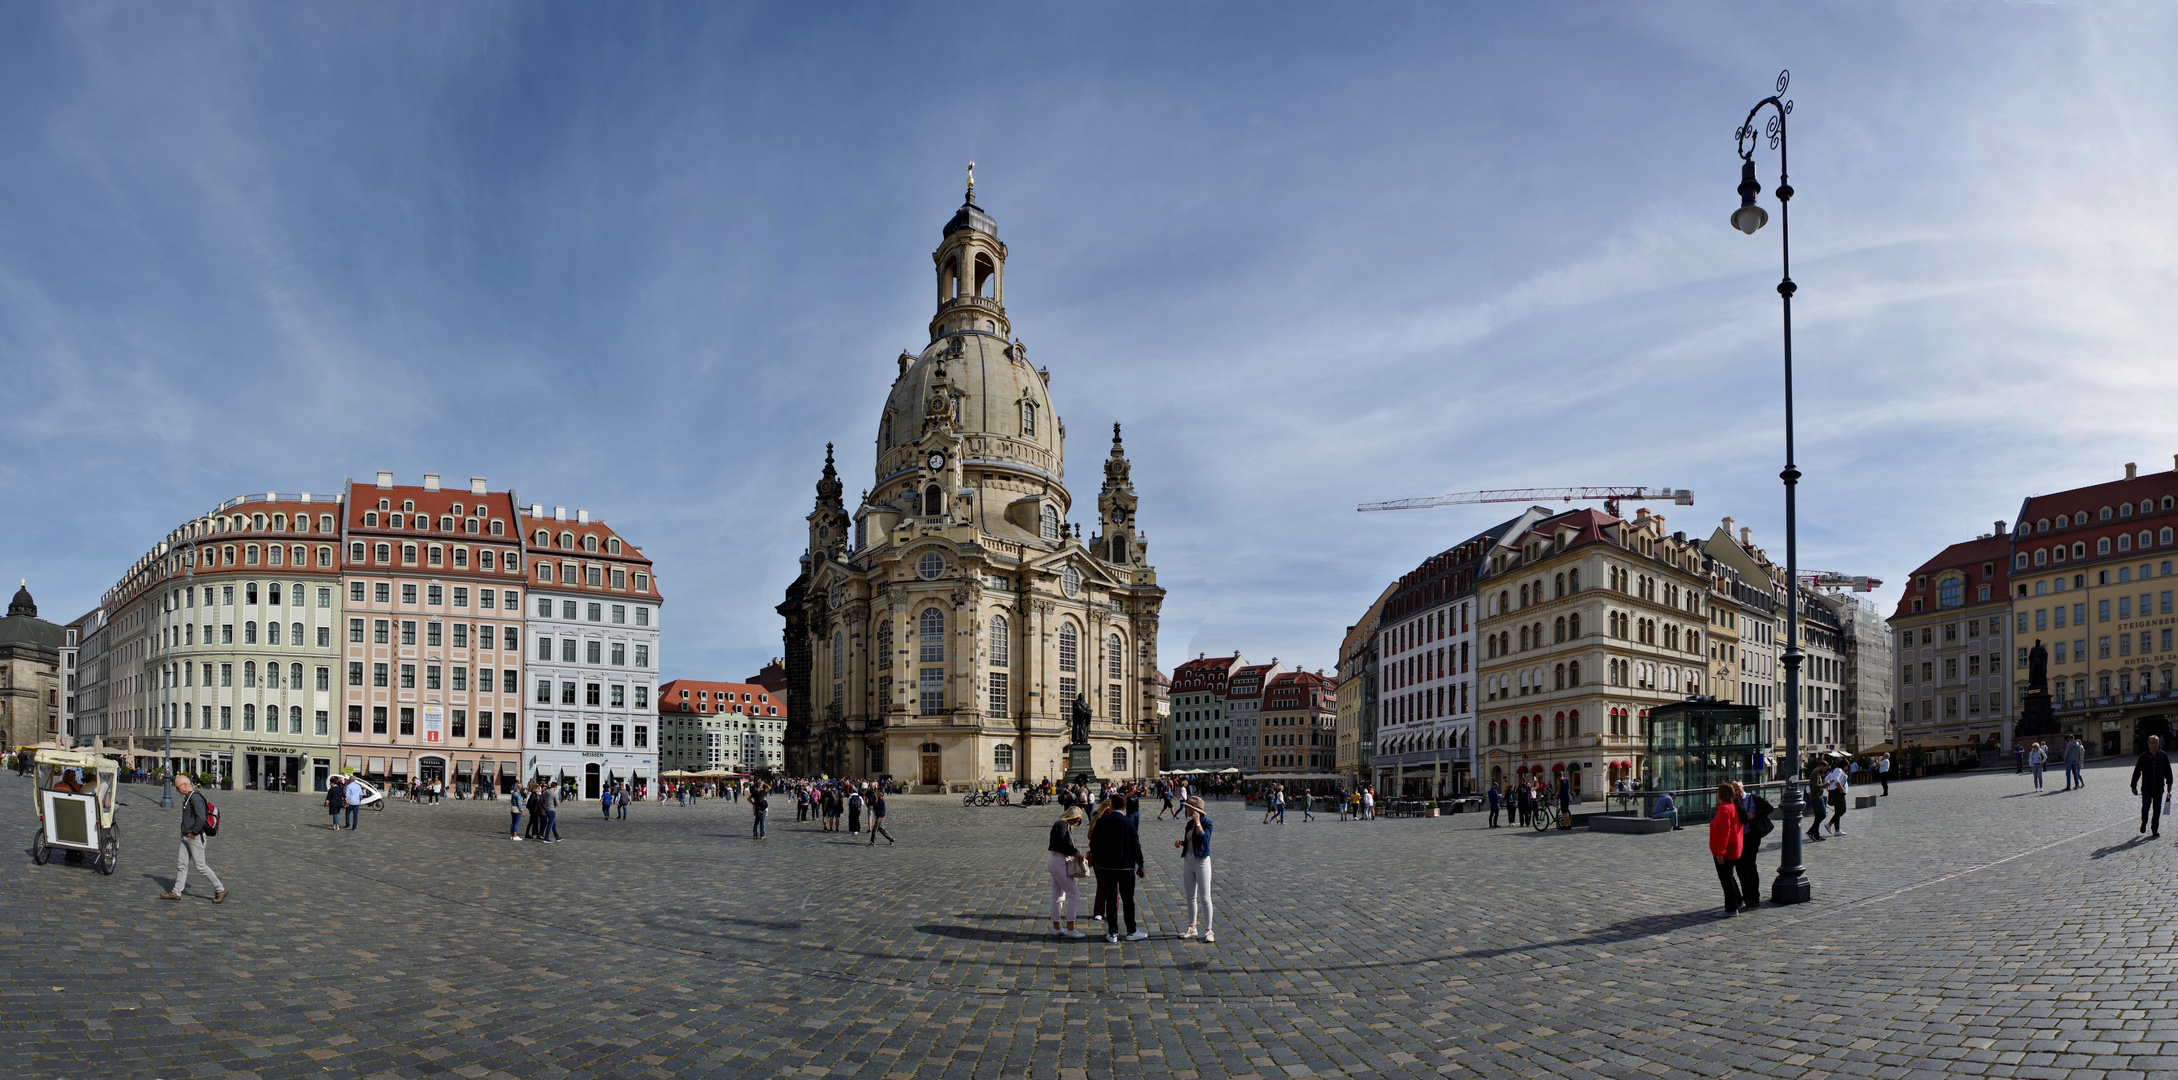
{"points": [[839, 654], [2079, 549], [1119, 549], [1002, 757], [249, 673], [1523, 596], [1119, 757], [931, 627], [1573, 627], [1048, 522], [1028, 418], [1557, 586], [1523, 638], [1557, 629], [2102, 546], [933, 501], [1069, 648], [2164, 536], [2147, 539], [1951, 592], [1113, 651], [999, 641], [1573, 675], [1573, 581], [249, 718], [294, 673], [589, 543], [2125, 542], [1557, 677], [408, 554]]}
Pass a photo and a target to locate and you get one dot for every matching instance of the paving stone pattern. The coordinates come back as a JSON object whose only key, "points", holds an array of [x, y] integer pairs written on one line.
{"points": [[1967, 926]]}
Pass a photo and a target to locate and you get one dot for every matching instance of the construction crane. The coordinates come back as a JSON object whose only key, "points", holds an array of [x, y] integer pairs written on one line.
{"points": [[1609, 495], [1831, 579]]}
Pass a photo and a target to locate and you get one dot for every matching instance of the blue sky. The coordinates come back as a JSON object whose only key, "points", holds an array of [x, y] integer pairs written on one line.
{"points": [[649, 259]]}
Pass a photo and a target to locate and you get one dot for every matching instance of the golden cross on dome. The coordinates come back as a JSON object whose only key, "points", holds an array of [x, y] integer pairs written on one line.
{"points": [[971, 176]]}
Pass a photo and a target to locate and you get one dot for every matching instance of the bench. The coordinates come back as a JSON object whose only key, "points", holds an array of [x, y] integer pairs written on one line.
{"points": [[1627, 823], [1864, 802]]}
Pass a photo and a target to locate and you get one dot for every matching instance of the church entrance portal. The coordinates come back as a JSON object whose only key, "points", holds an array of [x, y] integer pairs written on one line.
{"points": [[931, 760]]}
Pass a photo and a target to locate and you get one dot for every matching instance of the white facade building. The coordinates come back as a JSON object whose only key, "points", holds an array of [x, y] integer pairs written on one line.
{"points": [[593, 616]]}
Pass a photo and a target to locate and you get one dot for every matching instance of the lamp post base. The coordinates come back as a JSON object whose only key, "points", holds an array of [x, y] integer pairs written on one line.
{"points": [[1791, 888]]}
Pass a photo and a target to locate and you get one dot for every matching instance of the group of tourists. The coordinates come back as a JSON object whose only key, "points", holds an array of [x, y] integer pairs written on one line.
{"points": [[1115, 857], [2036, 756], [1520, 799]]}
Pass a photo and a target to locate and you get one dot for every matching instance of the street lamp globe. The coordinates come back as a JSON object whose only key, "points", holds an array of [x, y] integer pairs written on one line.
{"points": [[1750, 217]]}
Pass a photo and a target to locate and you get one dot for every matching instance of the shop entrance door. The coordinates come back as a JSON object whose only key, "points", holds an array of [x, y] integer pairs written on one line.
{"points": [[590, 781], [320, 772]]}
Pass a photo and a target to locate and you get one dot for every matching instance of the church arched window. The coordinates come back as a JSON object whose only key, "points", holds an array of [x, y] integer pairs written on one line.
{"points": [[932, 631], [1113, 651], [999, 641], [1119, 757], [986, 276], [839, 654], [1069, 648], [1048, 518], [1028, 418], [1119, 549], [933, 501]]}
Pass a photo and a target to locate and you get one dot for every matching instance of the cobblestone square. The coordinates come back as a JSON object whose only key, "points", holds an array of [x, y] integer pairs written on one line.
{"points": [[1967, 926]]}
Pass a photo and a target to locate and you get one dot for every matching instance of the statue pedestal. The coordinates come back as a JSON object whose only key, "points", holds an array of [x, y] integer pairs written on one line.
{"points": [[2036, 718], [1080, 769]]}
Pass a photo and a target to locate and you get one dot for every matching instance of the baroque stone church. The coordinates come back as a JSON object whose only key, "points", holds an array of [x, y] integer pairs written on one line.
{"points": [[941, 632]]}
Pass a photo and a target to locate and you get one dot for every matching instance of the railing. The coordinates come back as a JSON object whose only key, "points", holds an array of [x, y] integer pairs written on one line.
{"points": [[983, 302], [1694, 804]]}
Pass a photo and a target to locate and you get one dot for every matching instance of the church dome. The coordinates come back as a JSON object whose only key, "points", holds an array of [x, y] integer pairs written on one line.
{"points": [[995, 393], [971, 216]]}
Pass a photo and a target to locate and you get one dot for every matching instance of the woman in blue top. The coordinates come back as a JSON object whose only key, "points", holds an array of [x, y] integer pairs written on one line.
{"points": [[1194, 845]]}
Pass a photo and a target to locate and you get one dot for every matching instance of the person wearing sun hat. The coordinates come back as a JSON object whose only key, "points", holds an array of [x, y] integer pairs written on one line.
{"points": [[1065, 858], [1194, 845]]}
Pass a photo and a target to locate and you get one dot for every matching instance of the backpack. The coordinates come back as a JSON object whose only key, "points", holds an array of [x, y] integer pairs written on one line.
{"points": [[211, 817]]}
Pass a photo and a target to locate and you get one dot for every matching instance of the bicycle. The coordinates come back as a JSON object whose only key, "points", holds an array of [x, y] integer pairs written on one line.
{"points": [[1546, 816], [977, 798]]}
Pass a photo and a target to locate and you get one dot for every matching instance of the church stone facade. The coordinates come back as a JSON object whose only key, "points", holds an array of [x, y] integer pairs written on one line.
{"points": [[940, 632]]}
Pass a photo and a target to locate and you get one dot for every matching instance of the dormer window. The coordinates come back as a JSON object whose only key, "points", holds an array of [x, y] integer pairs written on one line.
{"points": [[1048, 518], [1028, 420]]}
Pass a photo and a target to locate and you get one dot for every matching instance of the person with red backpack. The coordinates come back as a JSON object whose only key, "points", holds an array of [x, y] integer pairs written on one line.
{"points": [[199, 820]]}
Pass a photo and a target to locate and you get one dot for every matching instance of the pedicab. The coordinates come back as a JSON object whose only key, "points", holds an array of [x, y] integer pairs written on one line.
{"points": [[74, 795]]}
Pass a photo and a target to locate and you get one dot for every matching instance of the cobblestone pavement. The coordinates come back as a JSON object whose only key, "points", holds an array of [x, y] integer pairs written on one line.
{"points": [[1967, 926]]}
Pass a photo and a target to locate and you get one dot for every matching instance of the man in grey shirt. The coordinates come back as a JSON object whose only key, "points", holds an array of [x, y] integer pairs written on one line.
{"points": [[2075, 753], [194, 808]]}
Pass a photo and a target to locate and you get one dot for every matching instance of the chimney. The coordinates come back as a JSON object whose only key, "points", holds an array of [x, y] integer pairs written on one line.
{"points": [[1727, 526], [2000, 529], [2132, 471], [536, 510], [582, 517], [431, 481], [559, 513], [385, 478], [476, 485], [1746, 536]]}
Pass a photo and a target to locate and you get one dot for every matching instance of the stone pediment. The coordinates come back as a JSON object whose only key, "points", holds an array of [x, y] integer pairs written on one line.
{"points": [[1093, 571]]}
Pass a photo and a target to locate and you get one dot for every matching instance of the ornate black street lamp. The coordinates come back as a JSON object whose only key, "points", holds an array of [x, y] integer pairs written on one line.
{"points": [[1791, 886]]}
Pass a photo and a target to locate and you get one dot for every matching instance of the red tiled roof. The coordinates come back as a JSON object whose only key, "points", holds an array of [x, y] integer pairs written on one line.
{"points": [[760, 700], [1966, 555]]}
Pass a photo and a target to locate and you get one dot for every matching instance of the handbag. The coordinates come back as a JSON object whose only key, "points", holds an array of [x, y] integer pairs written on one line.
{"points": [[1077, 867]]}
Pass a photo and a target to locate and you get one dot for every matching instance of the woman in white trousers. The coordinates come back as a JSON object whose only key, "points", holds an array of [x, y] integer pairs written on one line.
{"points": [[1065, 889]]}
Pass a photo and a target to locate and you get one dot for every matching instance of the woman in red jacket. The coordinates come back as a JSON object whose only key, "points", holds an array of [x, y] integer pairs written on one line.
{"points": [[1726, 841]]}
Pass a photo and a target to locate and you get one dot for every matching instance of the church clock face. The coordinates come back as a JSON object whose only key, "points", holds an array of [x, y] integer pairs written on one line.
{"points": [[937, 460], [1119, 515]]}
